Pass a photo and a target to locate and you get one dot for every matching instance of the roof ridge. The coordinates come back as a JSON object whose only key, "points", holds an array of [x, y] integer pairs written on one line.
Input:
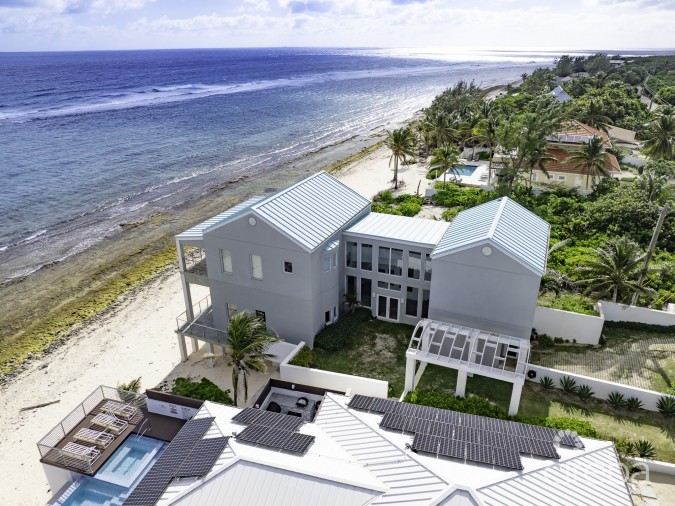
{"points": [[498, 216]]}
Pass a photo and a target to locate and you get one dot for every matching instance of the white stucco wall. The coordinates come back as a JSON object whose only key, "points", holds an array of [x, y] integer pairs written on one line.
{"points": [[601, 388], [621, 313], [586, 329]]}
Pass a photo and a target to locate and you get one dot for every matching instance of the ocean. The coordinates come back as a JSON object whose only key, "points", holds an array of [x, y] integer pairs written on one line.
{"points": [[92, 140]]}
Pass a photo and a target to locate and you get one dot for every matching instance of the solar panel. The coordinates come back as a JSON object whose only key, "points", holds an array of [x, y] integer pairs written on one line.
{"points": [[202, 457], [452, 448], [479, 453], [572, 440], [275, 438], [298, 443], [468, 434], [444, 430], [416, 425], [392, 421], [381, 405], [247, 415], [425, 443], [523, 445], [252, 433], [361, 402], [507, 458], [544, 449]]}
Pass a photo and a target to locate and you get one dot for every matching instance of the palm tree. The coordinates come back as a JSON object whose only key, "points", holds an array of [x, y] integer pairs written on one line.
{"points": [[248, 340], [444, 159], [592, 159], [614, 270], [486, 134], [401, 142], [440, 129], [538, 158], [593, 115], [425, 134], [659, 141]]}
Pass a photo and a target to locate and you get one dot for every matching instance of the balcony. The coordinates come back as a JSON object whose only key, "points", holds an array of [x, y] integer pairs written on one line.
{"points": [[195, 267], [201, 326]]}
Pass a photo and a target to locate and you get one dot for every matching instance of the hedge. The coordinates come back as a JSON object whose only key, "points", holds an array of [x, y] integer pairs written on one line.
{"points": [[204, 390], [339, 335]]}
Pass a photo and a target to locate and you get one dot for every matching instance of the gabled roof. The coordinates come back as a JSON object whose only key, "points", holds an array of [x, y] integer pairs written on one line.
{"points": [[415, 231], [560, 94], [197, 232], [309, 212], [507, 225], [560, 165], [576, 132]]}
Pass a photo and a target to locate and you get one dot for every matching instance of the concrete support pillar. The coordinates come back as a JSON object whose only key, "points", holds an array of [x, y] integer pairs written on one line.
{"points": [[182, 348], [195, 345], [515, 398], [212, 349], [410, 374], [460, 390]]}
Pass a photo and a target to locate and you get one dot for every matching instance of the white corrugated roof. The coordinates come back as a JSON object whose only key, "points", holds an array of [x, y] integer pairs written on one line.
{"points": [[507, 225], [197, 232], [591, 478], [313, 210], [416, 231], [560, 94]]}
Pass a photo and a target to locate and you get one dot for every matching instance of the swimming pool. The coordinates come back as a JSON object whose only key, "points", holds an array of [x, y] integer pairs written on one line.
{"points": [[462, 170], [117, 477]]}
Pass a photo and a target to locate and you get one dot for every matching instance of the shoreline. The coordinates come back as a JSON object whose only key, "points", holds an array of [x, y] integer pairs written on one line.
{"points": [[41, 311]]}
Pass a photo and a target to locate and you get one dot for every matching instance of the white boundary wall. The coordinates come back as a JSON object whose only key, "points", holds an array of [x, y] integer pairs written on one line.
{"points": [[331, 380], [586, 329], [656, 466], [614, 312], [601, 388]]}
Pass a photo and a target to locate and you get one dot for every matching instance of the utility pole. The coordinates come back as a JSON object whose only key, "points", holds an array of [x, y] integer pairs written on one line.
{"points": [[650, 251]]}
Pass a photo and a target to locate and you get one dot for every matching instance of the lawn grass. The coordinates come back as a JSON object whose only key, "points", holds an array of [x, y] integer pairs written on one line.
{"points": [[378, 351]]}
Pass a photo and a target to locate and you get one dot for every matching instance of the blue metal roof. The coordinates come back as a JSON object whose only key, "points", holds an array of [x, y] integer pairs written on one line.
{"points": [[402, 229], [507, 225], [197, 232]]}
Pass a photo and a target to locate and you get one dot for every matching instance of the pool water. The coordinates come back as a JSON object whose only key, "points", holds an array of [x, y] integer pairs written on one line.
{"points": [[117, 477], [463, 170]]}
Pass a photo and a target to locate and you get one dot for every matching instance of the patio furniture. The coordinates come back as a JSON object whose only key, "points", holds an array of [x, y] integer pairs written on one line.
{"points": [[274, 407], [80, 452], [119, 410], [302, 402], [110, 423], [95, 437]]}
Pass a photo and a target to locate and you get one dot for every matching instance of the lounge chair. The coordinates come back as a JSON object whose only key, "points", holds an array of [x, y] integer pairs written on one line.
{"points": [[80, 452], [119, 410], [95, 437], [109, 422]]}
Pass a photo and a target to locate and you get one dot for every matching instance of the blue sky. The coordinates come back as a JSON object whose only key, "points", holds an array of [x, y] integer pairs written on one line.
{"points": [[29, 25]]}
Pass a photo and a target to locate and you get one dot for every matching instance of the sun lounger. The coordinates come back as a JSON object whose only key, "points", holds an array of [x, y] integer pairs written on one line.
{"points": [[119, 410], [109, 422], [95, 437], [80, 452]]}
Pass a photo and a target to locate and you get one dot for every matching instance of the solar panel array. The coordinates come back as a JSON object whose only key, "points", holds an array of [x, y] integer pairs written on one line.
{"points": [[187, 455], [271, 429], [467, 437]]}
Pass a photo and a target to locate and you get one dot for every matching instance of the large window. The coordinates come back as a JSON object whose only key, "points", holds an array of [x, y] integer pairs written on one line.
{"points": [[366, 292], [411, 301], [414, 264], [367, 257], [226, 260], [427, 268], [390, 261], [425, 303], [256, 267], [351, 254], [351, 284], [325, 263]]}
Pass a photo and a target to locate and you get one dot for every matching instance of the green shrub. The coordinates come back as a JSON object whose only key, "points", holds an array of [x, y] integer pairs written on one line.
{"points": [[572, 302], [666, 405], [304, 358], [581, 427], [645, 449], [547, 383], [203, 390], [449, 214], [568, 384], [545, 340], [585, 392], [616, 400], [408, 197], [409, 208], [378, 207], [633, 403], [642, 327], [339, 335], [385, 196], [558, 340]]}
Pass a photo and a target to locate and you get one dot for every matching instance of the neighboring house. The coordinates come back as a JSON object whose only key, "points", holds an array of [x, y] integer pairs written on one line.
{"points": [[291, 258], [622, 137], [562, 144], [559, 94], [617, 63]]}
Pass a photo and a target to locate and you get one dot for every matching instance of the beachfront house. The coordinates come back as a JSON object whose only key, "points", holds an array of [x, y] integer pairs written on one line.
{"points": [[561, 145], [292, 257]]}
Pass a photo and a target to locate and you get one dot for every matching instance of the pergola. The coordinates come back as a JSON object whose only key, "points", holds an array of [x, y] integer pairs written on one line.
{"points": [[469, 351]]}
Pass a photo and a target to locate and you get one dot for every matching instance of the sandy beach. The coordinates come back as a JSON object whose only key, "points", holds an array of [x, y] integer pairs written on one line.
{"points": [[134, 337]]}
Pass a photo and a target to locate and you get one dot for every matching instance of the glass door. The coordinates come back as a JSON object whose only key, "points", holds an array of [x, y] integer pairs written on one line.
{"points": [[387, 308]]}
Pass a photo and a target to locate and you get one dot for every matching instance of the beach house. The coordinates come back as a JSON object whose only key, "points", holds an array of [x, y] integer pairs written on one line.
{"points": [[291, 258]]}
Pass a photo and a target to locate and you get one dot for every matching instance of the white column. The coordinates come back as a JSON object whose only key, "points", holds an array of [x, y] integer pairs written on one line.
{"points": [[211, 348], [460, 390], [195, 345], [515, 398], [182, 347], [410, 374]]}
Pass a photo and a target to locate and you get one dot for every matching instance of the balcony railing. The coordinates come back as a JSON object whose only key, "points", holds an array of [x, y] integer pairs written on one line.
{"points": [[201, 326]]}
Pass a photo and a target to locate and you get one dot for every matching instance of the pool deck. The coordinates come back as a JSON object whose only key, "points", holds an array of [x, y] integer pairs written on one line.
{"points": [[148, 424]]}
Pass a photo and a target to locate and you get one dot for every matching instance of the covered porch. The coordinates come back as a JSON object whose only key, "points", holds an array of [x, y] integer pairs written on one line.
{"points": [[469, 351]]}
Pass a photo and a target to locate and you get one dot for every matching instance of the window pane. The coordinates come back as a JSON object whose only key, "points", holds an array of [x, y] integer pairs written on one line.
{"points": [[425, 303], [383, 284], [383, 260], [325, 264], [226, 258], [351, 284], [231, 310], [334, 260], [411, 301], [393, 309], [414, 264], [256, 267], [427, 268], [351, 254], [288, 267], [396, 262], [366, 292], [396, 288], [367, 257], [327, 316], [382, 306]]}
